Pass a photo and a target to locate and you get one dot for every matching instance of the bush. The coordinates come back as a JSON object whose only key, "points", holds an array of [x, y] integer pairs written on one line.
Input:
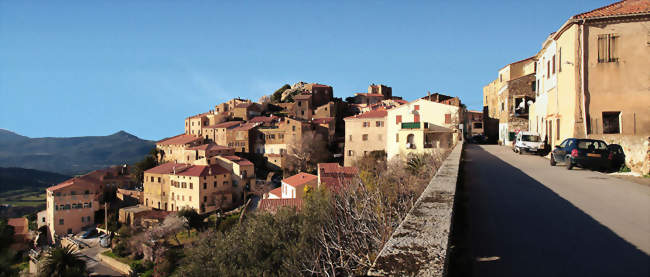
{"points": [[121, 249]]}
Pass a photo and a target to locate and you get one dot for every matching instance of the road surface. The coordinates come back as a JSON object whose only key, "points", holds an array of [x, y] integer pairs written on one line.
{"points": [[526, 218]]}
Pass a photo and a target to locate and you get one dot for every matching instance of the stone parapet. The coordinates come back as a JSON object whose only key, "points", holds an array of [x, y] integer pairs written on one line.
{"points": [[418, 247]]}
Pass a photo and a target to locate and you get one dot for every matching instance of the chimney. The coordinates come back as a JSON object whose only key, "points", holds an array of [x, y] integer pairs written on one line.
{"points": [[174, 169]]}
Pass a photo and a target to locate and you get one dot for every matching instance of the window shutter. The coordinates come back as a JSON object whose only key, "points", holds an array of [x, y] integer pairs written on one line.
{"points": [[448, 118]]}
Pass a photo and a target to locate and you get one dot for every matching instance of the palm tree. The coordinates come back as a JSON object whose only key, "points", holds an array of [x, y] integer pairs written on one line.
{"points": [[62, 262]]}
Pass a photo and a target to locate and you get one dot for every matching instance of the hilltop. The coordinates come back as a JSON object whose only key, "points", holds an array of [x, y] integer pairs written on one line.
{"points": [[71, 155]]}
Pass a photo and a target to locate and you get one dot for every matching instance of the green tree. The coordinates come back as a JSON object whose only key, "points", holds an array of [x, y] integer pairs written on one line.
{"points": [[149, 161], [109, 196], [62, 261], [192, 219], [276, 97], [6, 234]]}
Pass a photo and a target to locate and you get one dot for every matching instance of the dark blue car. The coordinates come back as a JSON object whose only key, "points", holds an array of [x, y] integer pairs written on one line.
{"points": [[584, 153]]}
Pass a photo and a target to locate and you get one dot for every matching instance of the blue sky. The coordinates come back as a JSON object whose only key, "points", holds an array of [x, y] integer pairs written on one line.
{"points": [[76, 68]]}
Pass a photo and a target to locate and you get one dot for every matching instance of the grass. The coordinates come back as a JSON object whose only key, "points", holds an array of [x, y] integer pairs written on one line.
{"points": [[23, 197], [124, 260], [184, 238]]}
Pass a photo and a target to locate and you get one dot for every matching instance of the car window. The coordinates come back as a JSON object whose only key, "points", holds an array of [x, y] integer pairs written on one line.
{"points": [[531, 138], [592, 144], [564, 143]]}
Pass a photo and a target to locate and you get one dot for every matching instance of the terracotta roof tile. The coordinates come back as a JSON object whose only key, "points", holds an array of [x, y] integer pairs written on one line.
{"points": [[166, 168], [626, 7], [276, 191], [245, 127], [370, 114], [203, 170], [265, 119], [273, 205], [179, 140], [20, 224], [238, 160], [299, 179]]}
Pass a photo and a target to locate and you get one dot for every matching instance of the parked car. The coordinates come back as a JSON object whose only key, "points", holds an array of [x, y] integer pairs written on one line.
{"points": [[89, 234], [528, 142], [584, 153], [478, 139], [617, 156]]}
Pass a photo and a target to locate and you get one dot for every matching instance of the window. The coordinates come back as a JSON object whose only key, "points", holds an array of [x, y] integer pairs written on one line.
{"points": [[396, 137], [152, 179], [448, 118], [364, 137], [293, 128], [478, 125], [190, 197], [61, 221], [548, 69], [83, 219], [398, 119], [532, 86], [379, 124], [215, 184], [607, 48], [611, 122], [350, 137], [366, 124], [302, 112], [350, 153], [191, 186], [557, 126], [416, 107], [299, 103], [553, 64], [158, 179], [500, 78], [205, 199], [559, 60], [205, 185], [503, 106]]}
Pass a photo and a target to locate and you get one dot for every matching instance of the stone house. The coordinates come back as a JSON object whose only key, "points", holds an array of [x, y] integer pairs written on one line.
{"points": [[294, 186], [593, 80], [364, 133], [173, 148], [506, 101]]}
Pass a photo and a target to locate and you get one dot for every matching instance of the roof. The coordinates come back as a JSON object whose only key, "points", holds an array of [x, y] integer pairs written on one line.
{"points": [[276, 191], [209, 146], [323, 120], [203, 170], [200, 115], [238, 160], [94, 177], [166, 168], [370, 114], [265, 119], [272, 155], [154, 214], [20, 224], [299, 179], [336, 168], [473, 111], [245, 127], [272, 205], [626, 7], [319, 85], [178, 140], [401, 101], [226, 124]]}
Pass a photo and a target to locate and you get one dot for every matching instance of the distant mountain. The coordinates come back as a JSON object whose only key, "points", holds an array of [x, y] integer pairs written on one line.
{"points": [[12, 178], [73, 155]]}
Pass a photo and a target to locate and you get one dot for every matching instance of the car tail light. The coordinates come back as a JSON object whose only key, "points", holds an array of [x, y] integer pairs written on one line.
{"points": [[574, 153], [610, 156]]}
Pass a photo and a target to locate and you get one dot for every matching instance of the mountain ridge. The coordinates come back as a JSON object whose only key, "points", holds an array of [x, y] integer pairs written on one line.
{"points": [[71, 155]]}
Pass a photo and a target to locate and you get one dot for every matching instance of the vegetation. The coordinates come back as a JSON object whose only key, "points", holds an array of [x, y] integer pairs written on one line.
{"points": [[62, 261], [148, 162], [331, 235], [15, 180], [304, 154], [276, 97]]}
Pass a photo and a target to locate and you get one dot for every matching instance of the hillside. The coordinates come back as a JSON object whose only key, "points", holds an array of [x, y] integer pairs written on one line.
{"points": [[13, 178], [73, 155]]}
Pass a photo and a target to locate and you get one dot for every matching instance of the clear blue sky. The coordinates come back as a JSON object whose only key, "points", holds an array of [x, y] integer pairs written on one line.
{"points": [[74, 68]]}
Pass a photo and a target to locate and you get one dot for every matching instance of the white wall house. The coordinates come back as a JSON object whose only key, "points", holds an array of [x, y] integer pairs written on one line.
{"points": [[421, 126]]}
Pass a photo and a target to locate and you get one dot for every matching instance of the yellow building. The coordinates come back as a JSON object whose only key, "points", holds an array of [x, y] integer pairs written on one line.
{"points": [[364, 133], [173, 149], [71, 205], [593, 80], [174, 186], [506, 101]]}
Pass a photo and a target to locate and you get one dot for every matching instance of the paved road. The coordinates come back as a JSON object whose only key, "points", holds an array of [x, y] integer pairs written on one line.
{"points": [[93, 264], [527, 218]]}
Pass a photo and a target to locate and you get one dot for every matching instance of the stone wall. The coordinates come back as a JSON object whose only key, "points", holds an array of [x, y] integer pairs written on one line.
{"points": [[419, 244], [115, 264], [636, 149]]}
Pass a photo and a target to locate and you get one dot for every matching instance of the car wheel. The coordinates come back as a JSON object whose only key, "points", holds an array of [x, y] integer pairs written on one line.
{"points": [[569, 163], [519, 151], [553, 163]]}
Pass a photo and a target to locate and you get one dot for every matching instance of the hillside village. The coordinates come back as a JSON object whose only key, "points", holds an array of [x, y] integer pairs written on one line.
{"points": [[278, 153]]}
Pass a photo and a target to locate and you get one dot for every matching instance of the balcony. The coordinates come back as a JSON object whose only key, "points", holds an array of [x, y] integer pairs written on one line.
{"points": [[411, 125]]}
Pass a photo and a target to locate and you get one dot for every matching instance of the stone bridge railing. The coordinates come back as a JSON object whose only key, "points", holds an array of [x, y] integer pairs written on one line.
{"points": [[418, 247]]}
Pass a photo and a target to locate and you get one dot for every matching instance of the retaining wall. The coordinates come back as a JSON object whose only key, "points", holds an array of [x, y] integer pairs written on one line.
{"points": [[418, 247]]}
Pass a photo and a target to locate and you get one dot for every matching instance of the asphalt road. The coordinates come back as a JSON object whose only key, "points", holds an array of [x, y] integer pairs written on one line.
{"points": [[93, 264], [526, 218]]}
